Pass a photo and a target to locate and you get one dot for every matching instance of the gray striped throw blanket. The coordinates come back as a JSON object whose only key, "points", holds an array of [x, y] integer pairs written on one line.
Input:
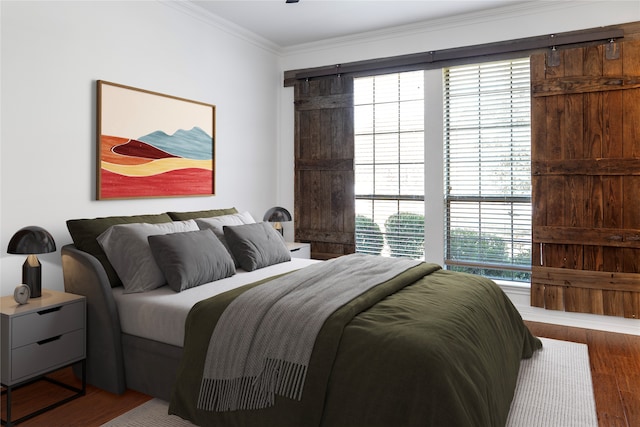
{"points": [[262, 343]]}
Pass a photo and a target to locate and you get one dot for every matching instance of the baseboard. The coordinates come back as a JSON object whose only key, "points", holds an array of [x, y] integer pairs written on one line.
{"points": [[520, 296]]}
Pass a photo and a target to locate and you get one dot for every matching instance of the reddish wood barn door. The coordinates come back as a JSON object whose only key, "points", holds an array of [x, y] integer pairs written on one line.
{"points": [[586, 179]]}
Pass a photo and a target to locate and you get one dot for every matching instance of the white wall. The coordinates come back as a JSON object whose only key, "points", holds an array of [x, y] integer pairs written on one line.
{"points": [[526, 20], [52, 55]]}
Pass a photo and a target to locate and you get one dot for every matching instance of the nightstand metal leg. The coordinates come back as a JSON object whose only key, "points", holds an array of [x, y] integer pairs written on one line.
{"points": [[78, 393], [8, 423]]}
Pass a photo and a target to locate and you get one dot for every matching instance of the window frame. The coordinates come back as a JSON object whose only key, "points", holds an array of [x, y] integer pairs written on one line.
{"points": [[391, 246], [494, 269]]}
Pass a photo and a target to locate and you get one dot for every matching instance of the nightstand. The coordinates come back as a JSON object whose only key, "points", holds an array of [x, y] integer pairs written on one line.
{"points": [[37, 338], [299, 250]]}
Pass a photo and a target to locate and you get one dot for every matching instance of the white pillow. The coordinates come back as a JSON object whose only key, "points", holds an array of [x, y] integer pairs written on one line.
{"points": [[128, 250], [217, 223]]}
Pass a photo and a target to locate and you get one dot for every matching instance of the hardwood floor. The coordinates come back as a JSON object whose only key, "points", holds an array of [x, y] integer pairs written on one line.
{"points": [[615, 370], [95, 408], [614, 358]]}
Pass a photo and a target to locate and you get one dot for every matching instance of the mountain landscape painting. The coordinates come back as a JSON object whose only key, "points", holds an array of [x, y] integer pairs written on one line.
{"points": [[153, 145]]}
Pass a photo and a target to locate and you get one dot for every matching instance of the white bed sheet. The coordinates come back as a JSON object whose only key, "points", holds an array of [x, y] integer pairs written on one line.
{"points": [[160, 315]]}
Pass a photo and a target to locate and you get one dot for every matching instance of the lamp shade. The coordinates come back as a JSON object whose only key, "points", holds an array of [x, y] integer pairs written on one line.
{"points": [[277, 214], [31, 240]]}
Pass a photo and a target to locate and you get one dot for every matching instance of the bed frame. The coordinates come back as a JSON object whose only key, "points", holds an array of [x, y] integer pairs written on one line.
{"points": [[116, 361]]}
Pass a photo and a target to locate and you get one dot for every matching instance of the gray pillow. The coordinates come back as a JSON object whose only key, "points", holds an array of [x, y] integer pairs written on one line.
{"points": [[128, 251], [256, 245], [215, 224], [191, 258], [84, 233]]}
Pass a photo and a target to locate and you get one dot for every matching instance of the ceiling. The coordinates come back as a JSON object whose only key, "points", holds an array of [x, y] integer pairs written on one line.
{"points": [[308, 21]]}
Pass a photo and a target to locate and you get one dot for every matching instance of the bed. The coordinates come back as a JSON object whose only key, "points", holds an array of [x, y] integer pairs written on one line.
{"points": [[424, 346]]}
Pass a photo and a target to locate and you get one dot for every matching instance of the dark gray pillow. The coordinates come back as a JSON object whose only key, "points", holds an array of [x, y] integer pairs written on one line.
{"points": [[215, 224], [191, 258], [256, 245]]}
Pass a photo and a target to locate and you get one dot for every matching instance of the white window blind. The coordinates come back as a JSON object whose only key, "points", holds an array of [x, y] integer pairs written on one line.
{"points": [[488, 169], [389, 164]]}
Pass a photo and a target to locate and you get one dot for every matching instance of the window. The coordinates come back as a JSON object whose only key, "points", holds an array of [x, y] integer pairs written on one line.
{"points": [[487, 169], [389, 164]]}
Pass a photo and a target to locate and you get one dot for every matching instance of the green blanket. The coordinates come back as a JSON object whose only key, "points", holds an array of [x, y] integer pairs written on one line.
{"points": [[429, 347]]}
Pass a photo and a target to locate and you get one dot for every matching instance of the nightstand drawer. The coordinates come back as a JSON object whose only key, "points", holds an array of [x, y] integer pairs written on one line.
{"points": [[47, 354], [41, 325], [299, 250]]}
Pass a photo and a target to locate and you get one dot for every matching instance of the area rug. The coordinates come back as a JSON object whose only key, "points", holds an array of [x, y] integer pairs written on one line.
{"points": [[554, 389]]}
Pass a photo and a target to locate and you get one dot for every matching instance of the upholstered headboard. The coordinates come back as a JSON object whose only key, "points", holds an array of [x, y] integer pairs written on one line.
{"points": [[85, 231]]}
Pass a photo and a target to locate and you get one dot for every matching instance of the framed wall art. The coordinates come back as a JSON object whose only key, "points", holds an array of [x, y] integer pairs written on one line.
{"points": [[153, 145]]}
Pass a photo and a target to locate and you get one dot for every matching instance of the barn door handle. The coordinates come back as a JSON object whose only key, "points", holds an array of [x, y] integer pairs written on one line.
{"points": [[541, 254]]}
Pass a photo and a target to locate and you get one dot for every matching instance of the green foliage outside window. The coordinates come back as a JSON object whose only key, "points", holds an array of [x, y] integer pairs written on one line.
{"points": [[405, 235], [369, 239], [468, 246]]}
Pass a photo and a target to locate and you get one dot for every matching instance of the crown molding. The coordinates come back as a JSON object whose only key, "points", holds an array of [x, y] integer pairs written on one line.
{"points": [[436, 25], [189, 8], [420, 28]]}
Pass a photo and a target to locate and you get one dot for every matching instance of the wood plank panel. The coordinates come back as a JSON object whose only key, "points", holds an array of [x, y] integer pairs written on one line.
{"points": [[553, 146], [587, 279], [613, 259], [538, 183], [613, 303], [585, 176], [631, 129], [631, 201], [631, 304], [593, 201], [553, 297], [324, 166], [612, 137], [574, 214], [537, 294], [556, 204], [631, 260], [575, 85], [613, 190], [613, 166], [615, 237]]}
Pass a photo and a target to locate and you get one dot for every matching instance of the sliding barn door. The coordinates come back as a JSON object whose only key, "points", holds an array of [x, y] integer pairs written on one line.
{"points": [[324, 167], [586, 179]]}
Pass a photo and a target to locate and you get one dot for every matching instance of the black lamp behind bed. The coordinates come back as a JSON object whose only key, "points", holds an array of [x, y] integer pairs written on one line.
{"points": [[277, 215]]}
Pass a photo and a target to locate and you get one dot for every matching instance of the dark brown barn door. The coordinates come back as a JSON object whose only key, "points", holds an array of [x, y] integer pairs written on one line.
{"points": [[586, 179], [324, 171]]}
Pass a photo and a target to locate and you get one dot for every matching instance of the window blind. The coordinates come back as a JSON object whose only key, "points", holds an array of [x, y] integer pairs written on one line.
{"points": [[389, 164], [488, 169]]}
